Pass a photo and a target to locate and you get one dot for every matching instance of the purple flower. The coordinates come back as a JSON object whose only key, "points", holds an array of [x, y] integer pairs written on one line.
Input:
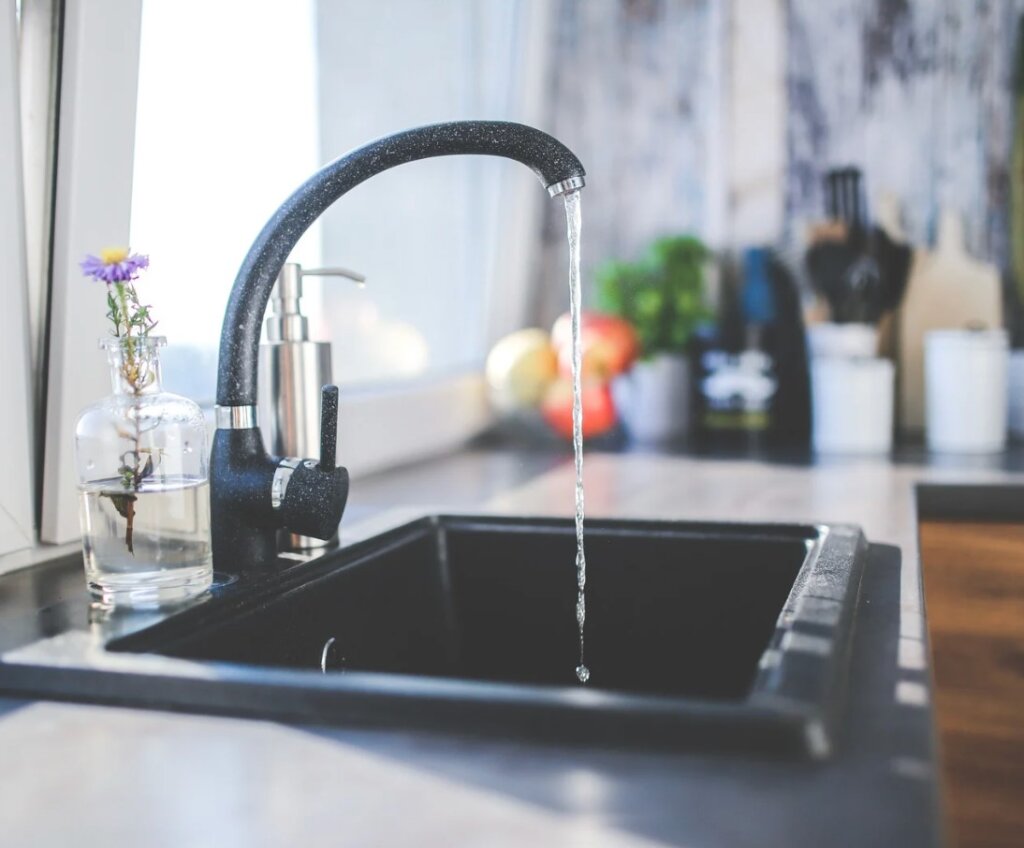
{"points": [[114, 265]]}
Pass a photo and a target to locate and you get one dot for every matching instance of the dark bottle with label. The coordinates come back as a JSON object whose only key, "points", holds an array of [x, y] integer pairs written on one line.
{"points": [[749, 371], [791, 409]]}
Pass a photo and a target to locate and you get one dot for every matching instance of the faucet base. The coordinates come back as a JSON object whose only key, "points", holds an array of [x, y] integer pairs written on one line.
{"points": [[250, 503], [244, 524]]}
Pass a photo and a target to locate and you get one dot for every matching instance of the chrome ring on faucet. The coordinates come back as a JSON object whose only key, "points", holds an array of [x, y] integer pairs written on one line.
{"points": [[282, 475], [235, 417], [563, 186]]}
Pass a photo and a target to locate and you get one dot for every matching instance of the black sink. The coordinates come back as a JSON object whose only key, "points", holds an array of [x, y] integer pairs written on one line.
{"points": [[722, 636]]}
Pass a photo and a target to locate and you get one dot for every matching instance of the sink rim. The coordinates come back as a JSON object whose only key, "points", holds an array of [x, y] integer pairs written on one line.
{"points": [[793, 707], [798, 686]]}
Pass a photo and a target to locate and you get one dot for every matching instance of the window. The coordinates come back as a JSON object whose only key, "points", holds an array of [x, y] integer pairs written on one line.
{"points": [[226, 128], [212, 162], [195, 121]]}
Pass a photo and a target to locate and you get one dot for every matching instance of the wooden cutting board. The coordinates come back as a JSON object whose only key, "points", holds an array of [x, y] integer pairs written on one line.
{"points": [[947, 289]]}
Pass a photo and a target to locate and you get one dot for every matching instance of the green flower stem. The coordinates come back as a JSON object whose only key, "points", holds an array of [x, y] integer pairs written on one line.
{"points": [[132, 470], [118, 268]]}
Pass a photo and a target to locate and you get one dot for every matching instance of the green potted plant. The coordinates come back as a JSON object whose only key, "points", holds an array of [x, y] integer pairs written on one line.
{"points": [[663, 297]]}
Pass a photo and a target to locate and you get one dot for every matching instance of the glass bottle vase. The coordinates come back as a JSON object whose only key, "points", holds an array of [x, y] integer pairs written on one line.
{"points": [[143, 481]]}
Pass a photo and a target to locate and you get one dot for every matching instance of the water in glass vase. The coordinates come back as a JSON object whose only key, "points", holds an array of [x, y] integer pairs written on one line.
{"points": [[150, 546]]}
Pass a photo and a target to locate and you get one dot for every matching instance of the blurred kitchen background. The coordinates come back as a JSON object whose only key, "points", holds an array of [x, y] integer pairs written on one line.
{"points": [[801, 212]]}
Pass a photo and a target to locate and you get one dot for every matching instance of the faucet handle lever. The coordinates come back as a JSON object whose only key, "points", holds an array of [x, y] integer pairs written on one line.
{"points": [[355, 276], [328, 427], [312, 496]]}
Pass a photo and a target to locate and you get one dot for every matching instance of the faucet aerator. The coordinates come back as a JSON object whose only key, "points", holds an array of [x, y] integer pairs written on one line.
{"points": [[565, 186]]}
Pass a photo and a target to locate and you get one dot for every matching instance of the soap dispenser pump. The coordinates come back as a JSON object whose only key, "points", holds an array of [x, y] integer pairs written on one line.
{"points": [[293, 371]]}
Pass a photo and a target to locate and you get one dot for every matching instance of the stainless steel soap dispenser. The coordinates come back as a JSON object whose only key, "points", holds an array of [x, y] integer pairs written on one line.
{"points": [[293, 370]]}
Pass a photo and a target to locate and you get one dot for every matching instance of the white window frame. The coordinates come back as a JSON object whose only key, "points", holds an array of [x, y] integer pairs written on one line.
{"points": [[377, 428], [16, 483], [92, 208]]}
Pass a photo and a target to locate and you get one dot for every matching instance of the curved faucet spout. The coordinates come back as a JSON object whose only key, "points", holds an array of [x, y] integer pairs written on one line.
{"points": [[557, 167], [253, 495]]}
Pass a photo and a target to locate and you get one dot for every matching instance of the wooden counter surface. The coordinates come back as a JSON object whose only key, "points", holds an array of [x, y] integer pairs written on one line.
{"points": [[974, 595]]}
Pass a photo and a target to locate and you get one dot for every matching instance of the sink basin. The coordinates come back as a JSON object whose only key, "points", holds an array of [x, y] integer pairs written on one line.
{"points": [[718, 636]]}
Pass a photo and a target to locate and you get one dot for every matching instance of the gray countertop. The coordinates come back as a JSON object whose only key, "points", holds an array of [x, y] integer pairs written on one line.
{"points": [[110, 776]]}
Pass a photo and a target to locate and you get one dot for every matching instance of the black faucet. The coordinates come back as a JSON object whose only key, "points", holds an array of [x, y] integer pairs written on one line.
{"points": [[253, 495]]}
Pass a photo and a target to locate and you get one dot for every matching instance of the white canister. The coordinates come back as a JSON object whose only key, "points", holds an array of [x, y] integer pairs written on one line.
{"points": [[843, 340], [653, 399], [965, 390], [852, 405]]}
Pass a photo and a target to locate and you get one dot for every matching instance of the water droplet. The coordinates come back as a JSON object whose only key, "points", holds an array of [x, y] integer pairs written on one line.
{"points": [[582, 673], [187, 447], [90, 465]]}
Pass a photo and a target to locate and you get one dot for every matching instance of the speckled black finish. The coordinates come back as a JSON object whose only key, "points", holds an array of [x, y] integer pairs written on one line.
{"points": [[245, 524], [241, 473], [315, 501], [240, 336], [328, 427]]}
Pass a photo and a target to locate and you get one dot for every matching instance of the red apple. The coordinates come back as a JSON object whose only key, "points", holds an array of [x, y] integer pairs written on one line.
{"points": [[598, 407], [608, 344]]}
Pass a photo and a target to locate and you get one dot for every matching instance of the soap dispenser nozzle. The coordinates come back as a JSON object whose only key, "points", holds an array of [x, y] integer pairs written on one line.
{"points": [[286, 322]]}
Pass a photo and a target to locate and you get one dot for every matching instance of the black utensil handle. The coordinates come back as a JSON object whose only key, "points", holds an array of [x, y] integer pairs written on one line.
{"points": [[847, 198], [831, 203], [849, 204], [328, 427], [854, 179]]}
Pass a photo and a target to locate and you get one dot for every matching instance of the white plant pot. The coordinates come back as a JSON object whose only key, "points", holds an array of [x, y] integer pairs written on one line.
{"points": [[653, 399]]}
